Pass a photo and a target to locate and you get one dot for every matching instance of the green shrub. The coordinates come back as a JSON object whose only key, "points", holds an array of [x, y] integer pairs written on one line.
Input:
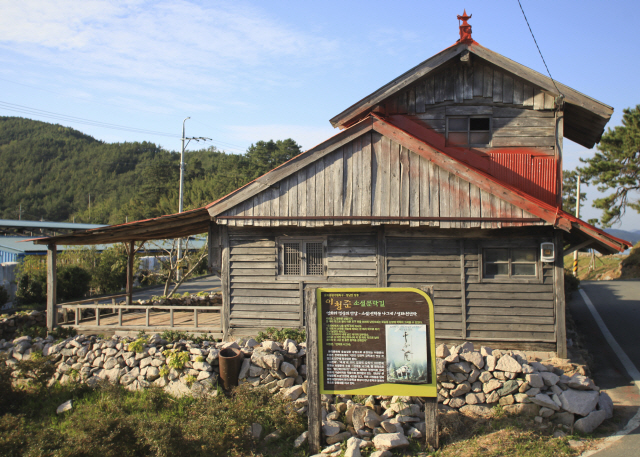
{"points": [[73, 283], [164, 370], [137, 346], [176, 359], [4, 296], [34, 331], [571, 283], [297, 335], [32, 288]]}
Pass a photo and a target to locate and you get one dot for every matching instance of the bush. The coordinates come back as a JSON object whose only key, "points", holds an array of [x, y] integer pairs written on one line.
{"points": [[73, 283], [32, 288], [297, 335], [4, 296]]}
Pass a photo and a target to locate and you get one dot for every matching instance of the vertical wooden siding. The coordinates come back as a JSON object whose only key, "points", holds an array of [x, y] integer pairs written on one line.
{"points": [[415, 262], [259, 298], [374, 176]]}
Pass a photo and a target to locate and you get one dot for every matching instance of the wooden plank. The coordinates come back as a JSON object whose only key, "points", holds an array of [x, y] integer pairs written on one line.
{"points": [[360, 240], [273, 205], [411, 262], [538, 99], [320, 210], [468, 82], [365, 164], [268, 308], [463, 298], [514, 296], [434, 193], [357, 178], [347, 180], [256, 265], [52, 313], [385, 183], [559, 300], [429, 91], [329, 188], [510, 327], [313, 386], [420, 97], [394, 179], [253, 272], [500, 111], [381, 257], [351, 272], [235, 243], [549, 101], [445, 192], [359, 250], [293, 196], [454, 199], [534, 141], [478, 80], [499, 123], [235, 292], [404, 182], [508, 303], [507, 89], [510, 337], [257, 251], [280, 285], [497, 86], [411, 101], [424, 198], [464, 201], [511, 311], [528, 288], [425, 279], [447, 325], [251, 258], [377, 172], [527, 99], [487, 89], [302, 195], [518, 93], [423, 270], [468, 110], [264, 323], [414, 186], [449, 83], [458, 89], [352, 265], [439, 89], [311, 193], [265, 300], [225, 283], [338, 184], [351, 258], [524, 131]]}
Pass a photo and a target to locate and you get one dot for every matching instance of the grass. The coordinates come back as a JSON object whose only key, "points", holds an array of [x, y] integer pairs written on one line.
{"points": [[604, 264], [111, 421]]}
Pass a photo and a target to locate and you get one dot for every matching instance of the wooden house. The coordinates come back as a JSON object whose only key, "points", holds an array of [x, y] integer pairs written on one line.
{"points": [[450, 175]]}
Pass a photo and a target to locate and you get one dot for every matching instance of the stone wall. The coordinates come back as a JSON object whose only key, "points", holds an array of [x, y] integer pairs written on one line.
{"points": [[469, 382], [16, 322]]}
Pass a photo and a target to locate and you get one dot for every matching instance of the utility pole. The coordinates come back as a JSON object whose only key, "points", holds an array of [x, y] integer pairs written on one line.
{"points": [[20, 213], [89, 208], [575, 253], [180, 202]]}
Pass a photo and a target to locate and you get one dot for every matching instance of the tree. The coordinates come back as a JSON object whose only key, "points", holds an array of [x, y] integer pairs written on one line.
{"points": [[569, 183], [616, 166], [190, 263]]}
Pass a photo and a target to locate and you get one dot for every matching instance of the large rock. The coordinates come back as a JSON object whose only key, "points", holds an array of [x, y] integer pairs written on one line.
{"points": [[339, 437], [460, 367], [331, 428], [462, 389], [544, 400], [580, 402], [442, 351], [353, 447], [535, 380], [580, 382], [386, 441], [525, 409], [508, 387], [605, 404], [473, 357], [550, 379], [440, 366], [474, 398], [508, 364], [491, 385], [288, 369], [591, 422], [490, 362]]}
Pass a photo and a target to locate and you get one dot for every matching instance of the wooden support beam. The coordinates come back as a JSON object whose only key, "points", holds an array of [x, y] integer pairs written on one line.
{"points": [[52, 311], [225, 282], [313, 382], [558, 279], [130, 256], [572, 249]]}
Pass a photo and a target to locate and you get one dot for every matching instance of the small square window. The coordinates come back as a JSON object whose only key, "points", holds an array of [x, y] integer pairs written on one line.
{"points": [[302, 257], [510, 263], [468, 130]]}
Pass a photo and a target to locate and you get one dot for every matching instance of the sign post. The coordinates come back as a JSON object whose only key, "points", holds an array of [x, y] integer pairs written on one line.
{"points": [[370, 341]]}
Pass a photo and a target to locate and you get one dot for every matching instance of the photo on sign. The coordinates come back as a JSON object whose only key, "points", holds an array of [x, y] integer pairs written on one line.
{"points": [[407, 354]]}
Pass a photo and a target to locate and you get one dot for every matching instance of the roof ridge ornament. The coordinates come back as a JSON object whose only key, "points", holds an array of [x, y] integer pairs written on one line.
{"points": [[465, 28]]}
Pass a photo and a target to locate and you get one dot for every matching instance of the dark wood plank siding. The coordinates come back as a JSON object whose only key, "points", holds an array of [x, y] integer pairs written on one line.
{"points": [[260, 298], [416, 262]]}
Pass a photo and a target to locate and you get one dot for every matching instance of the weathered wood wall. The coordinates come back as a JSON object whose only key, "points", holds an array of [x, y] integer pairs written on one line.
{"points": [[465, 306], [374, 176], [477, 82], [260, 299]]}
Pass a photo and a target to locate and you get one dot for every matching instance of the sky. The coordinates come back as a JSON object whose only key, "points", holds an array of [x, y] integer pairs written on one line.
{"points": [[246, 71]]}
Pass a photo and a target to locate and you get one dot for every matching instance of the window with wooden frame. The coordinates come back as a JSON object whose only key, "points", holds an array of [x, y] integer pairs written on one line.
{"points": [[510, 263], [468, 131], [302, 257]]}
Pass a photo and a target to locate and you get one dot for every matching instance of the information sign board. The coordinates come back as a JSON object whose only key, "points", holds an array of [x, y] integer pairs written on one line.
{"points": [[376, 341]]}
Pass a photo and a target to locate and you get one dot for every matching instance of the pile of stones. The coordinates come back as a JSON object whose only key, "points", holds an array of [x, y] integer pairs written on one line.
{"points": [[468, 381], [554, 390], [137, 364], [10, 325]]}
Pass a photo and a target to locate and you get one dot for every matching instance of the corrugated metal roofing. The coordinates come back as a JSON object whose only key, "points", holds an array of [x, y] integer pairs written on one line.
{"points": [[47, 225]]}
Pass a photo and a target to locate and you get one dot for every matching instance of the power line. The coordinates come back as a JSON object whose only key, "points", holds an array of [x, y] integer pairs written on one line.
{"points": [[539, 51]]}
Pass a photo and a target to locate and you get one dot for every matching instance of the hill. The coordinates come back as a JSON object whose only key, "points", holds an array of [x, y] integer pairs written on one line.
{"points": [[52, 171]]}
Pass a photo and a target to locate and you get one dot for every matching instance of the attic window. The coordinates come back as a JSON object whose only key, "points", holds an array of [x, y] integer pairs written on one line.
{"points": [[468, 131], [302, 257]]}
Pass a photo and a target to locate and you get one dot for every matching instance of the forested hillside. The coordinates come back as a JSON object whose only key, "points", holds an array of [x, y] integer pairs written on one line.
{"points": [[51, 170]]}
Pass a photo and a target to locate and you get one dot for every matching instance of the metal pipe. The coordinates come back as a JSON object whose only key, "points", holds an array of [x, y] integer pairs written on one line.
{"points": [[180, 202]]}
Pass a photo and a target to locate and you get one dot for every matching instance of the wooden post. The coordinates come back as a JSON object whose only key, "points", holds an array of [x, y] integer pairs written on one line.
{"points": [[97, 313], [120, 316], [171, 318], [77, 313], [52, 311], [431, 421], [463, 292], [301, 292], [381, 259], [313, 384], [195, 318], [225, 282], [131, 253], [558, 280], [147, 317], [559, 147]]}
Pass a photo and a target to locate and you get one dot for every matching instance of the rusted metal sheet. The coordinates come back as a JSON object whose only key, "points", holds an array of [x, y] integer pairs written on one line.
{"points": [[535, 175]]}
